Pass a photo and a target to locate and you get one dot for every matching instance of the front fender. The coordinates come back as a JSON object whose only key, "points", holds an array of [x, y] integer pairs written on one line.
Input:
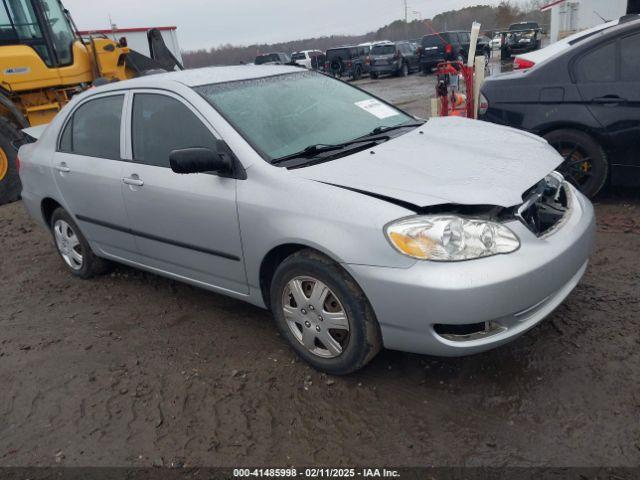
{"points": [[277, 208]]}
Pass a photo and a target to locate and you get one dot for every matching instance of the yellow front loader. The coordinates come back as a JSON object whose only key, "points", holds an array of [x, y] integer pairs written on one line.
{"points": [[44, 62]]}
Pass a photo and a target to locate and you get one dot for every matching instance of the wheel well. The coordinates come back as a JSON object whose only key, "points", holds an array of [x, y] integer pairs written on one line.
{"points": [[568, 126], [270, 264], [49, 205]]}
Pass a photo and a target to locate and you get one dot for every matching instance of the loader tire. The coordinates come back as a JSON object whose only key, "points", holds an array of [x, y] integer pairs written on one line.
{"points": [[10, 186]]}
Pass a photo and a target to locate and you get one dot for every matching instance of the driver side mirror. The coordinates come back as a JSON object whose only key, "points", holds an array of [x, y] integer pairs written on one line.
{"points": [[202, 160]]}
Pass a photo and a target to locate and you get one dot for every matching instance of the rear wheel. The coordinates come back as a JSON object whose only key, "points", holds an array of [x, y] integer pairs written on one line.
{"points": [[74, 248], [9, 179], [324, 314], [585, 161], [374, 75]]}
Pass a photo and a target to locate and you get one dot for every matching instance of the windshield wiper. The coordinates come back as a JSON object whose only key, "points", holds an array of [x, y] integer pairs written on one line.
{"points": [[385, 129], [313, 150]]}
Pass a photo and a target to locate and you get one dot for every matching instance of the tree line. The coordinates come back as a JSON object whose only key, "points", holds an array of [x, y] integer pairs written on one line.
{"points": [[491, 18]]}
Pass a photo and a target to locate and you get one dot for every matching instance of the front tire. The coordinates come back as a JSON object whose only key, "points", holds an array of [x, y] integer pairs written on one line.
{"points": [[323, 314], [73, 247], [10, 186], [585, 161]]}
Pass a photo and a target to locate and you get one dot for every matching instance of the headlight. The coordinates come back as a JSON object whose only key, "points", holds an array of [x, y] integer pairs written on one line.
{"points": [[449, 238]]}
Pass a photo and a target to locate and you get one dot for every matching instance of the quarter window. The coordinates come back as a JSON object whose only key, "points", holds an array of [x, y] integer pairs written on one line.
{"points": [[598, 66], [161, 125], [94, 129], [630, 60]]}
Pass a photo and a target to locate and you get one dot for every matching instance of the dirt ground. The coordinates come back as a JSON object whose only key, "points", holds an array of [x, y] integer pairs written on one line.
{"points": [[135, 370]]}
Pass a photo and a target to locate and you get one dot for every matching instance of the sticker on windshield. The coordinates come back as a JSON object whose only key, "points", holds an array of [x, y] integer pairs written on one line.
{"points": [[377, 109]]}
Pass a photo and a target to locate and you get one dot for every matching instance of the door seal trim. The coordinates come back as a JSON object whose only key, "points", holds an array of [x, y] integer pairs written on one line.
{"points": [[155, 238]]}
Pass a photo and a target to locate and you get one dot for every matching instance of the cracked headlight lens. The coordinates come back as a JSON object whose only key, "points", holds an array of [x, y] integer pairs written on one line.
{"points": [[450, 238]]}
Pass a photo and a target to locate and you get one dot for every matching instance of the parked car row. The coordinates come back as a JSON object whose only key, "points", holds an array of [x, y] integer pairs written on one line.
{"points": [[384, 57], [583, 95]]}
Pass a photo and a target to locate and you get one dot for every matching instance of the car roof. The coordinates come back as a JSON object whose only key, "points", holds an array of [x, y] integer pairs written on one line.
{"points": [[203, 76], [566, 44]]}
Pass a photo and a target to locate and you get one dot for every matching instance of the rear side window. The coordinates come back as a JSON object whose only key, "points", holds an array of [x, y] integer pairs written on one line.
{"points": [[597, 66], [630, 59], [94, 129], [162, 124]]}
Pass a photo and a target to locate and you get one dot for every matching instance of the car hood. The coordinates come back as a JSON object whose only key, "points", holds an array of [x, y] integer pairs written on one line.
{"points": [[448, 160]]}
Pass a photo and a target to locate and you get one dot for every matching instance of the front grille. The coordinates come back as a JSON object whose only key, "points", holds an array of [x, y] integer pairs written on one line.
{"points": [[545, 205]]}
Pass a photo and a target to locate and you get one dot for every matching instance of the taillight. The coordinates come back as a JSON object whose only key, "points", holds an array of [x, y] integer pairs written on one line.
{"points": [[448, 49], [522, 64], [483, 105], [367, 61], [349, 64]]}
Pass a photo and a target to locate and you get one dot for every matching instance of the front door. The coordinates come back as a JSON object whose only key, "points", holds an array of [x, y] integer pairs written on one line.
{"points": [[609, 82], [87, 167], [186, 225]]}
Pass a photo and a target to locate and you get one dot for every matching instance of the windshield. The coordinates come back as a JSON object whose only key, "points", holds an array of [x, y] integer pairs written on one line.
{"points": [[298, 56], [383, 50], [284, 114]]}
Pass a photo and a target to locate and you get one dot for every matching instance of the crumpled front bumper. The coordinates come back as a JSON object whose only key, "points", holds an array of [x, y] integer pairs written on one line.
{"points": [[511, 292]]}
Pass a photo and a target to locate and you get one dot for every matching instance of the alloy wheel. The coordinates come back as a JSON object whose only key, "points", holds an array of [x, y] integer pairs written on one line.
{"points": [[68, 244], [4, 163], [577, 166], [316, 317]]}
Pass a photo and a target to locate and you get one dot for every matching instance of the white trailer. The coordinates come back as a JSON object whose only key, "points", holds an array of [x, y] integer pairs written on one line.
{"points": [[137, 38]]}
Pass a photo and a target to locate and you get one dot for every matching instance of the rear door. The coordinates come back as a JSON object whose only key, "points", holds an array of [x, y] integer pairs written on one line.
{"points": [[186, 225], [608, 77], [88, 172]]}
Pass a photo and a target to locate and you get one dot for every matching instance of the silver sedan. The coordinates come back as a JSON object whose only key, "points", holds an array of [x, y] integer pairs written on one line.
{"points": [[359, 226]]}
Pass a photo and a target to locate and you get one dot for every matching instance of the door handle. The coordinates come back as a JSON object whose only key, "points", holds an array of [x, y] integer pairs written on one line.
{"points": [[133, 180], [62, 168], [612, 100]]}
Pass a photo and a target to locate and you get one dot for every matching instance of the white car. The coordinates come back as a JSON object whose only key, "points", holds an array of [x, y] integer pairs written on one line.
{"points": [[496, 42], [525, 61], [307, 58]]}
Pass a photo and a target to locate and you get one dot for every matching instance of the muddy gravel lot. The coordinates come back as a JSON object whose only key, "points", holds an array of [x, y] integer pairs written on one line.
{"points": [[135, 370]]}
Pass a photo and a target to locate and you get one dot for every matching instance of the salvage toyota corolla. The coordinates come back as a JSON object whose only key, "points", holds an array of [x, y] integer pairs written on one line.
{"points": [[358, 225]]}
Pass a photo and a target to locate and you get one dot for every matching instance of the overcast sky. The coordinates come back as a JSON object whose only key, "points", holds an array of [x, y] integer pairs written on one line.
{"points": [[208, 23]]}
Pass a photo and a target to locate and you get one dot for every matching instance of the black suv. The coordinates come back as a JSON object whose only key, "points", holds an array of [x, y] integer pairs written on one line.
{"points": [[584, 99], [448, 46], [398, 58], [348, 62], [524, 37]]}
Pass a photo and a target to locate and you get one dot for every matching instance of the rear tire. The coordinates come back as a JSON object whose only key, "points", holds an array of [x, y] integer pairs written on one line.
{"points": [[342, 319], [374, 75], [586, 164], [74, 249], [10, 186]]}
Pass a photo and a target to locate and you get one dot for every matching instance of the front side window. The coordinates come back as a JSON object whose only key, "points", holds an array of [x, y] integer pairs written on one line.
{"points": [[63, 36], [94, 129], [163, 124], [598, 66], [283, 114]]}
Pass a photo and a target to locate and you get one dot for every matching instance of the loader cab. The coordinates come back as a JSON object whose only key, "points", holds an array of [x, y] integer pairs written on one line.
{"points": [[43, 25]]}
